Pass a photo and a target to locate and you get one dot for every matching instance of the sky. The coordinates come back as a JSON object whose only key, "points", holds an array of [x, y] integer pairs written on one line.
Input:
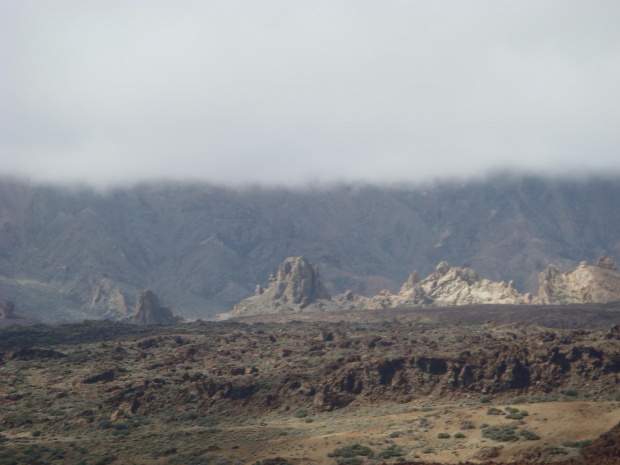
{"points": [[290, 92]]}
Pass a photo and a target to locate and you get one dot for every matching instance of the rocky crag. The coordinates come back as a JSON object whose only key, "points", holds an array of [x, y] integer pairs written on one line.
{"points": [[150, 312], [449, 286], [586, 283], [297, 287]]}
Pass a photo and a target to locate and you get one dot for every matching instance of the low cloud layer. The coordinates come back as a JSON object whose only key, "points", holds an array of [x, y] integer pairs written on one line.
{"points": [[290, 92]]}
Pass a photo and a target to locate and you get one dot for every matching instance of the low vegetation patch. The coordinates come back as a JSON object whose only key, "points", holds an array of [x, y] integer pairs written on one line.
{"points": [[502, 433], [578, 444], [392, 451], [528, 435], [352, 451]]}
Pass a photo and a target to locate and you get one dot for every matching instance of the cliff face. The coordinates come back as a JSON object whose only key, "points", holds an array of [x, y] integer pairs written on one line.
{"points": [[586, 283], [296, 286]]}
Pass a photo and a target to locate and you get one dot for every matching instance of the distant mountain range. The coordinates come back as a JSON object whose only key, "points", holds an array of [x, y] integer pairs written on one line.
{"points": [[67, 254]]}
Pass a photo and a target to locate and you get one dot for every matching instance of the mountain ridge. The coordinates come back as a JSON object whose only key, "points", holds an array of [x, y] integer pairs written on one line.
{"points": [[70, 254]]}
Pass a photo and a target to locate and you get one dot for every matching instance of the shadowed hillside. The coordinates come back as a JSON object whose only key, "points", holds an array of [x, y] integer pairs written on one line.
{"points": [[70, 254]]}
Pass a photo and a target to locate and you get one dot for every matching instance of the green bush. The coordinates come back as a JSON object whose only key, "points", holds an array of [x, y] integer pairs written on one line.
{"points": [[467, 426], [443, 435], [579, 444], [555, 450], [502, 433], [352, 451], [569, 392], [350, 461], [517, 415], [485, 399], [392, 451], [189, 416], [300, 413], [459, 435], [528, 435], [494, 411]]}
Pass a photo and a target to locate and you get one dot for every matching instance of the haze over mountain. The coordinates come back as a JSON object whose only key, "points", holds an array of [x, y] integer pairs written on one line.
{"points": [[69, 254]]}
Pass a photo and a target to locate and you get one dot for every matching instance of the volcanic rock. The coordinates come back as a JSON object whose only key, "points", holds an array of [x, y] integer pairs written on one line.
{"points": [[295, 287], [449, 286], [149, 312], [585, 284]]}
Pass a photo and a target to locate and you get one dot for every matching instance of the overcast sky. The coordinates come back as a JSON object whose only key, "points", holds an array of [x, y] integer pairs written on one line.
{"points": [[286, 92]]}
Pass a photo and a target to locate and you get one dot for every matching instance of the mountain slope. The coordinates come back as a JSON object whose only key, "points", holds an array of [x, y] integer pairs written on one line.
{"points": [[203, 248]]}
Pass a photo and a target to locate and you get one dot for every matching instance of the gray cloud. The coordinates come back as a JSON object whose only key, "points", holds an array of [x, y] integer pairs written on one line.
{"points": [[286, 92]]}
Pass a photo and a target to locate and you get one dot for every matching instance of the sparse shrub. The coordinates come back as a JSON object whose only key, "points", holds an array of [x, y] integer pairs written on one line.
{"points": [[579, 444], [494, 411], [502, 433], [569, 392], [427, 450], [189, 416], [395, 434], [105, 424], [106, 460], [519, 400], [529, 435], [555, 450], [443, 435], [207, 421], [467, 426], [485, 399], [392, 451], [352, 451], [459, 435], [517, 415], [300, 413], [350, 461]]}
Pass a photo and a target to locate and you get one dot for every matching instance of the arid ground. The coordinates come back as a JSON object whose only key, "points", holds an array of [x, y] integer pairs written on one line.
{"points": [[409, 386]]}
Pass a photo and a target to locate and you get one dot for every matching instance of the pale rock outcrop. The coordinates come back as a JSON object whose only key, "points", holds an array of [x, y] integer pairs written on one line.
{"points": [[598, 283], [295, 287], [449, 286], [149, 312]]}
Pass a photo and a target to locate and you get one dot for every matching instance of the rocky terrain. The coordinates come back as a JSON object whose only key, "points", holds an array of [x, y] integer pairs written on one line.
{"points": [[378, 386], [297, 288], [69, 254]]}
